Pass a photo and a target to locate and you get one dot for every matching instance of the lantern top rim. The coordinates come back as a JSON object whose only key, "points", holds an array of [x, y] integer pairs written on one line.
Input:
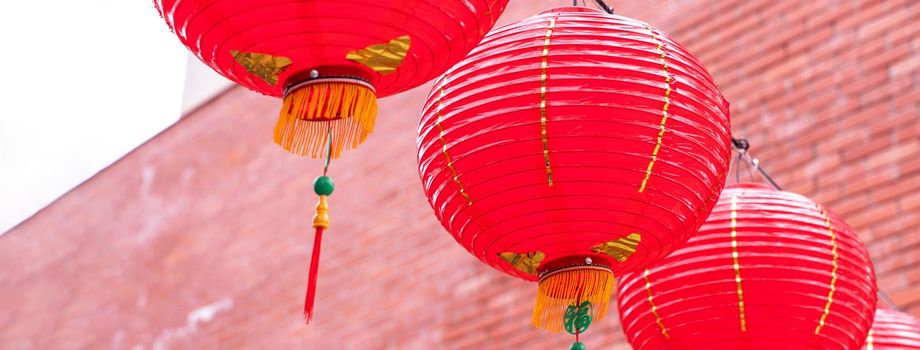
{"points": [[753, 185], [572, 9]]}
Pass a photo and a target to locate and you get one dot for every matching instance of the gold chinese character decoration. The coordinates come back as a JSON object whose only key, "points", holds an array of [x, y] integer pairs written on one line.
{"points": [[382, 58], [619, 249], [526, 263], [264, 66]]}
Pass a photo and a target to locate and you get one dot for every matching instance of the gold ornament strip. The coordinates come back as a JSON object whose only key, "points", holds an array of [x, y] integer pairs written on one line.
{"points": [[833, 286], [869, 341], [450, 161], [382, 58], [543, 76], [620, 249], [648, 289], [526, 263], [662, 58], [735, 264], [264, 66]]}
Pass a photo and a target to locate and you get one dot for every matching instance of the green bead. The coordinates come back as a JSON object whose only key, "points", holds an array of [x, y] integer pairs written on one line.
{"points": [[323, 185], [578, 346]]}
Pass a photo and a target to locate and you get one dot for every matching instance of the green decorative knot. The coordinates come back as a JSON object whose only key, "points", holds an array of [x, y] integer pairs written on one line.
{"points": [[577, 318], [578, 346], [323, 185]]}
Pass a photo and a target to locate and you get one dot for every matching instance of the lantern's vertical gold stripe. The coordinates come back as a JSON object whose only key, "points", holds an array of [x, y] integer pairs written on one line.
{"points": [[648, 289], [450, 161], [833, 287], [662, 58], [869, 341], [543, 76], [735, 265]]}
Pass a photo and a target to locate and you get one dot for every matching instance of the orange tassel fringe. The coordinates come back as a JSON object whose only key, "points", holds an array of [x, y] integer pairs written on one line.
{"points": [[312, 112], [566, 287]]}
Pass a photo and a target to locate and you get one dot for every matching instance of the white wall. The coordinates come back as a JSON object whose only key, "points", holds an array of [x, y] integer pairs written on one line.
{"points": [[83, 83]]}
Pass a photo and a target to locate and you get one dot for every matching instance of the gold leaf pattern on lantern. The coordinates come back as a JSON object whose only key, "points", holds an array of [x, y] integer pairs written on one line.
{"points": [[383, 58], [264, 66], [620, 249], [526, 263], [833, 284], [659, 42]]}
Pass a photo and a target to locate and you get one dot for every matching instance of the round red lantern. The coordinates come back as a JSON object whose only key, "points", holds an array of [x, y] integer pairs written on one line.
{"points": [[572, 146], [893, 330], [768, 270], [329, 60]]}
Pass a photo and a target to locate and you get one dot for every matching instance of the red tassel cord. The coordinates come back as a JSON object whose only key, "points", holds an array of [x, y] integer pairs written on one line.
{"points": [[311, 279]]}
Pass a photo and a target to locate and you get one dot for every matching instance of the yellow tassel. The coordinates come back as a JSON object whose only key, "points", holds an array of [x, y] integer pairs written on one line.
{"points": [[568, 286], [310, 112]]}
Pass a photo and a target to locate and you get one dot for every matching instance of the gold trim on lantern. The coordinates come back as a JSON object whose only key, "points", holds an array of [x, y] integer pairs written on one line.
{"points": [[664, 110], [526, 263], [651, 302], [833, 285], [543, 76], [735, 265], [264, 66], [450, 161], [619, 249], [382, 58], [869, 341]]}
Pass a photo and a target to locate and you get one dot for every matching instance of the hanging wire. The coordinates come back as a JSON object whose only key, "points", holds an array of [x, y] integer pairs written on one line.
{"points": [[603, 5], [741, 146], [600, 4], [737, 165], [888, 301], [328, 149]]}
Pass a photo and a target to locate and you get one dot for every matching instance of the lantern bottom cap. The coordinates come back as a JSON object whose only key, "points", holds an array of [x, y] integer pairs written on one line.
{"points": [[570, 286], [322, 117]]}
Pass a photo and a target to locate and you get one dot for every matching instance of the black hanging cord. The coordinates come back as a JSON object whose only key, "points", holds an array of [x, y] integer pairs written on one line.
{"points": [[604, 6], [741, 146], [600, 3]]}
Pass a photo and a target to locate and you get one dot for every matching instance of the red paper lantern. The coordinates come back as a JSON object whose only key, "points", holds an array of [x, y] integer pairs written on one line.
{"points": [[893, 330], [327, 58], [329, 61], [768, 270], [570, 146]]}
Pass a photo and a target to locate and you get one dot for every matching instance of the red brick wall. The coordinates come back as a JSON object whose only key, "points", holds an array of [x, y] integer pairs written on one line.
{"points": [[200, 239]]}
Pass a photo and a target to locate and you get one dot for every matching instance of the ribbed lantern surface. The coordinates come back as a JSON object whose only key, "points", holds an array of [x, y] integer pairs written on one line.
{"points": [[573, 136], [768, 270], [893, 330], [329, 58]]}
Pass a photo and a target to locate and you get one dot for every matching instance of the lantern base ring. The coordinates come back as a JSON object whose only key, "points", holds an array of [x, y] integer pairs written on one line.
{"points": [[329, 79], [562, 269]]}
